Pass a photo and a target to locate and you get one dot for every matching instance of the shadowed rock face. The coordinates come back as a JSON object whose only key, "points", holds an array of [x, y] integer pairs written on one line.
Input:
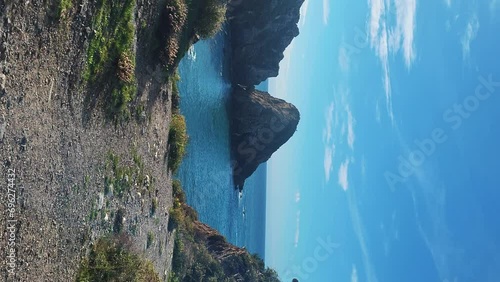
{"points": [[237, 263], [260, 124], [260, 32]]}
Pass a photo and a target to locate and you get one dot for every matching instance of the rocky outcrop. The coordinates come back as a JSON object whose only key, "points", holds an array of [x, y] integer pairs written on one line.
{"points": [[260, 32], [237, 263], [260, 124]]}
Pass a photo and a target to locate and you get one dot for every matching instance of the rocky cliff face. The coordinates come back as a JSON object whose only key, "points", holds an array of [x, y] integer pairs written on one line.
{"points": [[260, 31], [260, 124], [236, 262]]}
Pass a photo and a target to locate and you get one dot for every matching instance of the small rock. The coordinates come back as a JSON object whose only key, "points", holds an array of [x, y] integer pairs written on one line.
{"points": [[3, 126], [3, 80], [100, 202], [110, 189]]}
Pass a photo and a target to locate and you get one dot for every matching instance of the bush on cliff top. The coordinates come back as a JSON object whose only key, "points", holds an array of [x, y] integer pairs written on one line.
{"points": [[177, 141], [212, 16]]}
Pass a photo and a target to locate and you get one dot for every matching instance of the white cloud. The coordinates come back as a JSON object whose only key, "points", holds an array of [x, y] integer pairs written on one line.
{"points": [[297, 230], [327, 131], [329, 150], [447, 3], [350, 128], [402, 35], [344, 175], [326, 11], [359, 230], [297, 197], [354, 274], [303, 13], [344, 60], [388, 39], [328, 161], [469, 35], [377, 8]]}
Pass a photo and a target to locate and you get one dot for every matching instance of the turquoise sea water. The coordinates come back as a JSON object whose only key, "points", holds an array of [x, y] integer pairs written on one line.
{"points": [[206, 170]]}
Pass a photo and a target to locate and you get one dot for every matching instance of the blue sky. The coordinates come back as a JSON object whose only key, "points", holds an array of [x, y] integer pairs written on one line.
{"points": [[392, 174]]}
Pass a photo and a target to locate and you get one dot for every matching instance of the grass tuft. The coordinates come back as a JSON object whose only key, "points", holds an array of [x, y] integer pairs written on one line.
{"points": [[111, 259], [177, 141], [110, 56], [211, 19], [63, 8]]}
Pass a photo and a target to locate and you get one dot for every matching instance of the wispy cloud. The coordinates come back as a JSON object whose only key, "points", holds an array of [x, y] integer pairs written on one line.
{"points": [[303, 13], [297, 197], [344, 60], [388, 39], [354, 274], [402, 35], [377, 8], [297, 229], [359, 230], [329, 147], [350, 128], [469, 35], [447, 3], [326, 11], [329, 115], [328, 161], [344, 175]]}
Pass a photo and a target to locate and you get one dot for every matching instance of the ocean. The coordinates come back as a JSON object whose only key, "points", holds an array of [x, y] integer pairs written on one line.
{"points": [[206, 171]]}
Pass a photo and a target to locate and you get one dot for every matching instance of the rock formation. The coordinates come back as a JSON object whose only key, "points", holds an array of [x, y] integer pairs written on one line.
{"points": [[236, 262], [260, 124], [260, 32]]}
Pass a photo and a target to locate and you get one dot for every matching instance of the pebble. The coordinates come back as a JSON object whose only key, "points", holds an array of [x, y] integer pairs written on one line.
{"points": [[3, 80], [3, 126]]}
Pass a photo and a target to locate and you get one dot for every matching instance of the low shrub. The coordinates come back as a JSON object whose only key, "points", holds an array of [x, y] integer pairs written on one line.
{"points": [[177, 141]]}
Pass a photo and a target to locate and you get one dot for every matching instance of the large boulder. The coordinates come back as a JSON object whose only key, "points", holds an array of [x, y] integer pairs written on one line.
{"points": [[260, 32], [260, 124]]}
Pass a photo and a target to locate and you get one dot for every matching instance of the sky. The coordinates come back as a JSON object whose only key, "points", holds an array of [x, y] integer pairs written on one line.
{"points": [[392, 173]]}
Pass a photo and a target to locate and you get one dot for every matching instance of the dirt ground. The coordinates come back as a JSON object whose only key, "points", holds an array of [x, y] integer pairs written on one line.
{"points": [[55, 146]]}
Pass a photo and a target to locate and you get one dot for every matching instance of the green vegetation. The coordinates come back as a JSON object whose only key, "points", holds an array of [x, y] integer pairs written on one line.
{"points": [[150, 239], [110, 259], [192, 260], [62, 9], [120, 178], [212, 16], [187, 21], [177, 12], [177, 141], [176, 98], [154, 205], [110, 56]]}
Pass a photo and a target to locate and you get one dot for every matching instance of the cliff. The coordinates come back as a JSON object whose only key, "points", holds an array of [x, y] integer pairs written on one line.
{"points": [[260, 124], [236, 262], [201, 253], [260, 32]]}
